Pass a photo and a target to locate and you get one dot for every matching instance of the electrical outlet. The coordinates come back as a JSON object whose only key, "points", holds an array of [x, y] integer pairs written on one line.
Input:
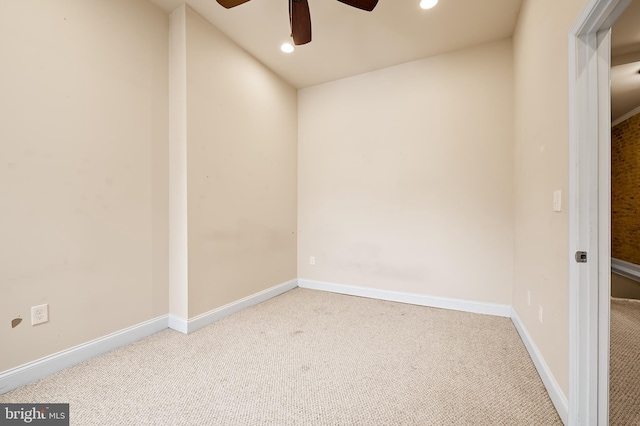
{"points": [[312, 260], [39, 314], [529, 297], [540, 314]]}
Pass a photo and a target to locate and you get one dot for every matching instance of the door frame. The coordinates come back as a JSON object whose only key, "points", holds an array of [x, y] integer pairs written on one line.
{"points": [[589, 210]]}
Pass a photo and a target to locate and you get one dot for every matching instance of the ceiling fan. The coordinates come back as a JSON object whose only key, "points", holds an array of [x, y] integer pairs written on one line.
{"points": [[299, 17]]}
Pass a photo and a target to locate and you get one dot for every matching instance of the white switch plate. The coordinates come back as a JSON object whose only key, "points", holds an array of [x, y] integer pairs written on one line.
{"points": [[557, 201], [312, 260]]}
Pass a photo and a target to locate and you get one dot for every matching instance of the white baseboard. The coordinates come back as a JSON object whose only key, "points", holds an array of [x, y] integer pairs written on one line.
{"points": [[48, 365], [30, 372], [626, 269], [178, 324], [188, 326], [626, 116], [555, 393], [494, 309]]}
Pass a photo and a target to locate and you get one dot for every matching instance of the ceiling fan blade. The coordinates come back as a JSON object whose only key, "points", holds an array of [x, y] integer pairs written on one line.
{"points": [[367, 5], [300, 21], [231, 3]]}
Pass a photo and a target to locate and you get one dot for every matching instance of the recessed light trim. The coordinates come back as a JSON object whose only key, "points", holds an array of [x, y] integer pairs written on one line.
{"points": [[287, 48], [428, 4]]}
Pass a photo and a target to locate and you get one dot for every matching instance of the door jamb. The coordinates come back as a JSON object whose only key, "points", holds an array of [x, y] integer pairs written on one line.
{"points": [[589, 210]]}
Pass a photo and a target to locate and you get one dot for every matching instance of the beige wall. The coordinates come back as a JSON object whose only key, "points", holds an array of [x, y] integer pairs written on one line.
{"points": [[85, 180], [241, 171], [541, 166], [405, 177], [83, 170]]}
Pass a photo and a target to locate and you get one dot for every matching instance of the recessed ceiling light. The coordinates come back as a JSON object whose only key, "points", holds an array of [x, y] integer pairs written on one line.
{"points": [[428, 4], [287, 48]]}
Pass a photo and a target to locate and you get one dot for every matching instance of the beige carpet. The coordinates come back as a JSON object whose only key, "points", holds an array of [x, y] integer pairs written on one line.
{"points": [[624, 395], [312, 358]]}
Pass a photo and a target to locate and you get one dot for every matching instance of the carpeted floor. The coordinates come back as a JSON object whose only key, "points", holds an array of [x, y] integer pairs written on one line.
{"points": [[624, 387], [312, 358]]}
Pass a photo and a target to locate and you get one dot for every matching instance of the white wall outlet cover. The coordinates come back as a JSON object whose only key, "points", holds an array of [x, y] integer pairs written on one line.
{"points": [[39, 314]]}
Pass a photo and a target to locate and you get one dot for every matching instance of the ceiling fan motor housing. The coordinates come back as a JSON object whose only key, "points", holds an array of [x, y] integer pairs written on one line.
{"points": [[300, 18]]}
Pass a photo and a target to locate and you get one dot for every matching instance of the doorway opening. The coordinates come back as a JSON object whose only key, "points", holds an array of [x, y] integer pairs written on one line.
{"points": [[590, 214], [624, 370]]}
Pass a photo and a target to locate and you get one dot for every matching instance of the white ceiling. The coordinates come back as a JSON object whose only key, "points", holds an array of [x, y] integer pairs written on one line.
{"points": [[625, 61], [348, 41]]}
